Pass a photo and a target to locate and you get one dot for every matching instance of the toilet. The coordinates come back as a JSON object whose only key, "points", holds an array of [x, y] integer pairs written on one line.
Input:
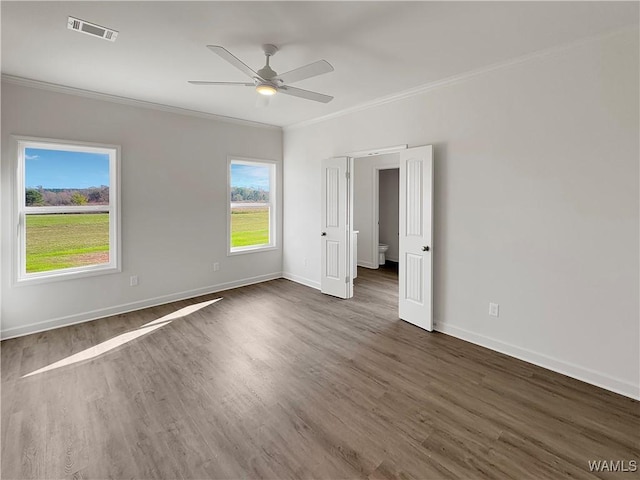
{"points": [[382, 249]]}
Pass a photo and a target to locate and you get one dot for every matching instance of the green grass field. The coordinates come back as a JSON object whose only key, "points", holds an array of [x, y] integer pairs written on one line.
{"points": [[249, 226], [66, 240], [73, 240]]}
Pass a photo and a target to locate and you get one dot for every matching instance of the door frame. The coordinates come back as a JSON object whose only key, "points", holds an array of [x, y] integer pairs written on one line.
{"points": [[375, 216]]}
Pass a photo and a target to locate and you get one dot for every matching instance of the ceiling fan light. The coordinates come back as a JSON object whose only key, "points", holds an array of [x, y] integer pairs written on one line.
{"points": [[266, 89]]}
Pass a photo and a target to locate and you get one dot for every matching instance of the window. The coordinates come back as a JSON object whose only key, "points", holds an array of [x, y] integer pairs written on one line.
{"points": [[251, 205], [67, 209]]}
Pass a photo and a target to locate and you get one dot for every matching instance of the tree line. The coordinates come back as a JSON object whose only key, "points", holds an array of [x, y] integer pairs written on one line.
{"points": [[55, 197], [49, 197], [246, 194]]}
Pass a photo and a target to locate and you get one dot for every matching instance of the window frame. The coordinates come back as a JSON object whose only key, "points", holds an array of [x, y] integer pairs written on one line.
{"points": [[20, 211], [272, 245]]}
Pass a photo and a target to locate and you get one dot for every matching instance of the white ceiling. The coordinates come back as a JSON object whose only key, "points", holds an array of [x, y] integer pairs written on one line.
{"points": [[376, 48]]}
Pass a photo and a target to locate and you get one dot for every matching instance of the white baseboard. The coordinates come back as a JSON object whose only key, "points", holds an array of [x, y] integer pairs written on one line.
{"points": [[301, 280], [368, 265], [580, 373], [392, 259], [129, 307], [569, 369]]}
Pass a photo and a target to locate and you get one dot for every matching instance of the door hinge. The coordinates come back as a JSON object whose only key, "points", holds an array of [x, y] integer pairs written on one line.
{"points": [[347, 175], [346, 280]]}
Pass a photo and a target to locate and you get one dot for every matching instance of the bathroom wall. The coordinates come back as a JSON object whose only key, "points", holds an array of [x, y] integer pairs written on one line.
{"points": [[388, 211]]}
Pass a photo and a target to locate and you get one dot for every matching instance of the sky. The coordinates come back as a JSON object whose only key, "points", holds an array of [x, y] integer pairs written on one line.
{"points": [[251, 176], [60, 169]]}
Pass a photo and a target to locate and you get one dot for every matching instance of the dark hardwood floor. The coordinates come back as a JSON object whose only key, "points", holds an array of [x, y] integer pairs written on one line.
{"points": [[278, 381]]}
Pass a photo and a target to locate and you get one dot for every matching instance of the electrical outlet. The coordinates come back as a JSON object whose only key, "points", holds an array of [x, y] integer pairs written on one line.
{"points": [[133, 280], [494, 309], [216, 266]]}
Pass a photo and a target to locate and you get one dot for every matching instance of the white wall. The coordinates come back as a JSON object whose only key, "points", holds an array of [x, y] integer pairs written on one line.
{"points": [[364, 172], [173, 205], [536, 204], [389, 211]]}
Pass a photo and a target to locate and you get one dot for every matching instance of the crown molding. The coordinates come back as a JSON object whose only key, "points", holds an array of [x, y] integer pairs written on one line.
{"points": [[79, 92], [462, 77]]}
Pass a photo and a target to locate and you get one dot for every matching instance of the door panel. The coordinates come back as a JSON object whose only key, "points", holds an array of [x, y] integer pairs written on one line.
{"points": [[332, 196], [335, 229], [333, 259], [416, 235], [413, 278]]}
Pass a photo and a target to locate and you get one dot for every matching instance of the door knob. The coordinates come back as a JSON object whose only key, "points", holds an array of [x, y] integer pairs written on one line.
{"points": [[425, 248], [323, 234]]}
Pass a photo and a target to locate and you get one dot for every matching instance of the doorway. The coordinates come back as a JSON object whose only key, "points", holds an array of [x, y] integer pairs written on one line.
{"points": [[375, 180], [366, 207], [388, 196], [343, 214]]}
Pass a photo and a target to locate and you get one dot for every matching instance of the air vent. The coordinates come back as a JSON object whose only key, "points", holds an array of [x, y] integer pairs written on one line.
{"points": [[91, 29]]}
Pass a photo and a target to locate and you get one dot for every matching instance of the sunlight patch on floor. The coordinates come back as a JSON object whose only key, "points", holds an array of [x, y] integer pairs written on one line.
{"points": [[124, 338]]}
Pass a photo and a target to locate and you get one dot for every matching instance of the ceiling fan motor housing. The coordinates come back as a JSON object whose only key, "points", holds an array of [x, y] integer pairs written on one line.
{"points": [[267, 72], [269, 49]]}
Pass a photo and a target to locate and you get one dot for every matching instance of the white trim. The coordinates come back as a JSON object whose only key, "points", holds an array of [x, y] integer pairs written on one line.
{"points": [[273, 205], [79, 92], [565, 368], [350, 191], [251, 249], [20, 210], [378, 151], [63, 274], [457, 78], [301, 280], [67, 209], [130, 307]]}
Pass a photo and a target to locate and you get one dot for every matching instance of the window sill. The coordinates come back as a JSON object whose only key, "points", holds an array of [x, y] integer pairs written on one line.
{"points": [[245, 250], [65, 275]]}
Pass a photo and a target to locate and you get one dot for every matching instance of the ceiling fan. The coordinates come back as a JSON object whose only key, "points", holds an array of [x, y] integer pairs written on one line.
{"points": [[267, 82]]}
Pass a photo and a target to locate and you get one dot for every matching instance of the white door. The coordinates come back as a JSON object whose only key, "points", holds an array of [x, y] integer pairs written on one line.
{"points": [[335, 230], [416, 216]]}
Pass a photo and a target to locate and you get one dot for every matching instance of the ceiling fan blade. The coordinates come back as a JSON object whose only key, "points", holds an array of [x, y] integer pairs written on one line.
{"points": [[197, 82], [308, 71], [298, 92], [233, 60]]}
